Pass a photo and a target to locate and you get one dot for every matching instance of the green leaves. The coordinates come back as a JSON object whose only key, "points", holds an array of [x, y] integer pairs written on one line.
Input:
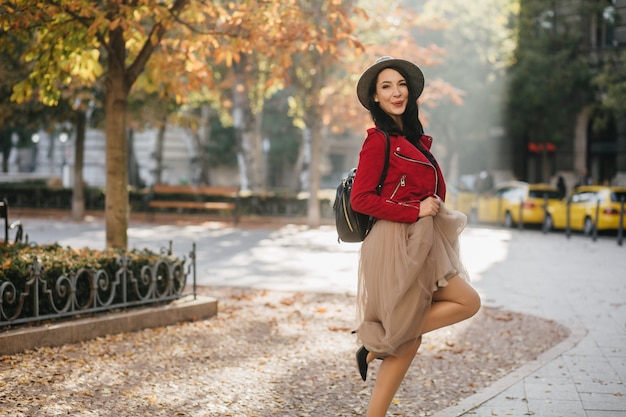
{"points": [[611, 83], [549, 81]]}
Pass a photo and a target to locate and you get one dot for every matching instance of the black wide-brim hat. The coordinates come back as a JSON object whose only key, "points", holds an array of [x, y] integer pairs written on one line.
{"points": [[412, 71]]}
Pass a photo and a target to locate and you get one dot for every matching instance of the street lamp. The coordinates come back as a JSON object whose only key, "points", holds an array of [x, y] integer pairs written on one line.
{"points": [[65, 171], [35, 138]]}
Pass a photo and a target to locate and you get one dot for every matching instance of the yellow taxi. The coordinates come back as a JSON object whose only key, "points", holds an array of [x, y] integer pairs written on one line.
{"points": [[511, 201], [460, 199], [583, 203]]}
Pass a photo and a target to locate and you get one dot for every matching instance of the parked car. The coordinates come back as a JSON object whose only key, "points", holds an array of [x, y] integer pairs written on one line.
{"points": [[460, 199], [583, 204], [506, 203]]}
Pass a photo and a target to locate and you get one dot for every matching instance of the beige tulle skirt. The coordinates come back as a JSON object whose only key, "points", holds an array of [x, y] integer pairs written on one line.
{"points": [[401, 266]]}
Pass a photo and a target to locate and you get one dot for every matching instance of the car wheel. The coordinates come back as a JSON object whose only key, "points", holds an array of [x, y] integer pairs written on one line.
{"points": [[548, 225], [588, 226], [508, 220]]}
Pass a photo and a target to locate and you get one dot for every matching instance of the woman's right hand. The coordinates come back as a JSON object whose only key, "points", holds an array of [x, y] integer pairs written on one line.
{"points": [[429, 207]]}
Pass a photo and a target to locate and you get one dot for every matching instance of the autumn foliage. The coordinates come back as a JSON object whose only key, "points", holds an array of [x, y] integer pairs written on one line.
{"points": [[231, 54]]}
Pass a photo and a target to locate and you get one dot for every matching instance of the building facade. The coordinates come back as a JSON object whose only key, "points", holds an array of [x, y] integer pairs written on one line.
{"points": [[597, 144]]}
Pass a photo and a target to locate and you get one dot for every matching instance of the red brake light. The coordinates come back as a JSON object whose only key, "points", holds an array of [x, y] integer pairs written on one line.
{"points": [[528, 205], [610, 211]]}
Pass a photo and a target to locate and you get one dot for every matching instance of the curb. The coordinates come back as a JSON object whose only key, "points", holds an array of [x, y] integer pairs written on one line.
{"points": [[478, 399], [245, 221], [73, 331]]}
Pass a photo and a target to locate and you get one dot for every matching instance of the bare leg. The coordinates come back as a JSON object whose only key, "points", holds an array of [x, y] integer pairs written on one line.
{"points": [[390, 376], [452, 304]]}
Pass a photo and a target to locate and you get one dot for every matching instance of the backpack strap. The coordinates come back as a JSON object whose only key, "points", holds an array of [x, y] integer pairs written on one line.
{"points": [[383, 175]]}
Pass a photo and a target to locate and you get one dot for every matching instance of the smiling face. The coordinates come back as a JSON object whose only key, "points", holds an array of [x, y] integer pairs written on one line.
{"points": [[392, 93]]}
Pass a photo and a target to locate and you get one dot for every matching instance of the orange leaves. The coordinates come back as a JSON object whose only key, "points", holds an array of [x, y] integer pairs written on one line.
{"points": [[115, 23], [98, 23], [338, 329], [359, 12], [438, 91], [290, 301], [285, 61], [177, 50], [227, 56]]}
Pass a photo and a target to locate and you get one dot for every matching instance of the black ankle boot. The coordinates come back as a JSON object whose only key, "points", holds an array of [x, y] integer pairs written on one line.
{"points": [[361, 361]]}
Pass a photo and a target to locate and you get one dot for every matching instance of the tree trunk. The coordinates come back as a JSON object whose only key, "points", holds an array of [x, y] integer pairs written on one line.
{"points": [[301, 162], [246, 131], [259, 156], [52, 143], [203, 138], [116, 96], [78, 195], [315, 125], [449, 160], [580, 141], [5, 141], [134, 178], [158, 153]]}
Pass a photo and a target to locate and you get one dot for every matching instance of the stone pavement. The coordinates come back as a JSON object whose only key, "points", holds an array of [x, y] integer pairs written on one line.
{"points": [[577, 282]]}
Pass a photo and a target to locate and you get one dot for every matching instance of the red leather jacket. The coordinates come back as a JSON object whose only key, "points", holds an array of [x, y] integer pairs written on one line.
{"points": [[411, 178]]}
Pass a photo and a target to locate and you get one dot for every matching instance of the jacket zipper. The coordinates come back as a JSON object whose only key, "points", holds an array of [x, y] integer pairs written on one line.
{"points": [[401, 183], [406, 158]]}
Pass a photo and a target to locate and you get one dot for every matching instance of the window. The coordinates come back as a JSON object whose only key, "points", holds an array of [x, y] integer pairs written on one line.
{"points": [[617, 196], [551, 194], [513, 194], [605, 29], [584, 197]]}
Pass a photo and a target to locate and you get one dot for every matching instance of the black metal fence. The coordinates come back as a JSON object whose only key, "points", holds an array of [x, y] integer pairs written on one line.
{"points": [[89, 290]]}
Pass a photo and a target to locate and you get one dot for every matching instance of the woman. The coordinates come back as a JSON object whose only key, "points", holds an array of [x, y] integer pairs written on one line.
{"points": [[411, 280]]}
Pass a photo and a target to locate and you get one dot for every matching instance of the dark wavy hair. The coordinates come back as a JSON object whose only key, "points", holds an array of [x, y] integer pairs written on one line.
{"points": [[412, 128]]}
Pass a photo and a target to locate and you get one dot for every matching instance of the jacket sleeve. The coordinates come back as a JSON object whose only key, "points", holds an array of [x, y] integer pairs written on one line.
{"points": [[369, 169]]}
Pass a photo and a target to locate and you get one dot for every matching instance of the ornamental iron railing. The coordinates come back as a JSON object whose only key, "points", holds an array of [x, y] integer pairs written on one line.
{"points": [[90, 290]]}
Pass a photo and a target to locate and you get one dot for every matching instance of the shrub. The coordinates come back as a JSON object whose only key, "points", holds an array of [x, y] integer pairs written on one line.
{"points": [[85, 271]]}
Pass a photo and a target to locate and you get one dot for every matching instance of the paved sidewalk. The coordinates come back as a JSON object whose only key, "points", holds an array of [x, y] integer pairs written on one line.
{"points": [[577, 282]]}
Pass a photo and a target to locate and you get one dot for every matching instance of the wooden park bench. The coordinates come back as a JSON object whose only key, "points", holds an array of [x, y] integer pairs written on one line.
{"points": [[4, 215], [194, 197]]}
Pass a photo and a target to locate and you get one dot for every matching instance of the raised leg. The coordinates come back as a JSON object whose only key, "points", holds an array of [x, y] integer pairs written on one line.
{"points": [[452, 304]]}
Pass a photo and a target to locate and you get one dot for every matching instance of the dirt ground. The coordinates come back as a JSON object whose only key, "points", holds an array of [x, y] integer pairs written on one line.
{"points": [[266, 353]]}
